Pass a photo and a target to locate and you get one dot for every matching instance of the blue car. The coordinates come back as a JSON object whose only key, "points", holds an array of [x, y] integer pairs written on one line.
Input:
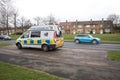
{"points": [[86, 38]]}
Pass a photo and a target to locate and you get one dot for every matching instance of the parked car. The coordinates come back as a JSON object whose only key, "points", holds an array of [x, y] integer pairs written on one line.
{"points": [[86, 38], [5, 37]]}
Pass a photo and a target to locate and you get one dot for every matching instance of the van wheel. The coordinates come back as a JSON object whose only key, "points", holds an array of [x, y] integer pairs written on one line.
{"points": [[19, 46], [45, 48]]}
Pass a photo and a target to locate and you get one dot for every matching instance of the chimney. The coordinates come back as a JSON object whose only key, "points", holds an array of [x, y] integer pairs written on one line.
{"points": [[66, 22], [90, 21], [76, 22], [102, 20]]}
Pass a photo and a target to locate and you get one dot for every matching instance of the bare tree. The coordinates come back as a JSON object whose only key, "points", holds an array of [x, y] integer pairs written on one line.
{"points": [[15, 15], [6, 12], [24, 23], [27, 23], [38, 20], [114, 18], [51, 19]]}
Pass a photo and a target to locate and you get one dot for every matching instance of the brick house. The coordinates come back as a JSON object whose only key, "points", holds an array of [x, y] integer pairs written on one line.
{"points": [[116, 28], [95, 27]]}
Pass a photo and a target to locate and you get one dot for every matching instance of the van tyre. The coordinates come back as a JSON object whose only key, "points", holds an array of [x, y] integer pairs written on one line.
{"points": [[94, 42], [77, 41], [19, 46], [45, 48]]}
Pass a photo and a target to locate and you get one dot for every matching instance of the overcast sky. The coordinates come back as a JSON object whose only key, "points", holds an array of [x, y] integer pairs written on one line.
{"points": [[68, 9]]}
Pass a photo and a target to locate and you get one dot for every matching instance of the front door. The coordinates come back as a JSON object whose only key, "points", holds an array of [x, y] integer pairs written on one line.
{"points": [[25, 39]]}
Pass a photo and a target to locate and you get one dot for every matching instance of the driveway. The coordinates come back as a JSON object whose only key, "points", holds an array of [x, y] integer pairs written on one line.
{"points": [[75, 64]]}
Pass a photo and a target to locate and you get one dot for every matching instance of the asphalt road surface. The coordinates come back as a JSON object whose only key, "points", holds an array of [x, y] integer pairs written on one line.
{"points": [[88, 46]]}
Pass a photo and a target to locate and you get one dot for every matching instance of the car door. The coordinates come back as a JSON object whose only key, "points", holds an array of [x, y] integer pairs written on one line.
{"points": [[87, 38]]}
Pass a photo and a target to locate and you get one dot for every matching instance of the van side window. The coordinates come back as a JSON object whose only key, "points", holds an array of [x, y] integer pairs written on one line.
{"points": [[26, 35], [35, 34]]}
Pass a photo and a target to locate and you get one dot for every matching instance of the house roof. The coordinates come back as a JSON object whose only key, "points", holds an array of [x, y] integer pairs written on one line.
{"points": [[86, 22]]}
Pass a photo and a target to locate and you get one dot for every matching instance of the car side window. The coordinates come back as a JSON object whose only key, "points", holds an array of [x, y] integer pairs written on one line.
{"points": [[79, 35], [35, 34]]}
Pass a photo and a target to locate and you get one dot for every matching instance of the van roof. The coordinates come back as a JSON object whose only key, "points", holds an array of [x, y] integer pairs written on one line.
{"points": [[42, 27], [41, 30]]}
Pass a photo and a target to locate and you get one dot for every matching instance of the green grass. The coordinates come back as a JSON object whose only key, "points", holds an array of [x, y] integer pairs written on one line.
{"points": [[114, 55], [4, 44], [14, 37], [13, 72], [108, 37]]}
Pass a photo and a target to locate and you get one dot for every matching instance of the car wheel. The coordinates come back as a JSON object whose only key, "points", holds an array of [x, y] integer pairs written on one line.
{"points": [[94, 42], [19, 46], [77, 41], [45, 48]]}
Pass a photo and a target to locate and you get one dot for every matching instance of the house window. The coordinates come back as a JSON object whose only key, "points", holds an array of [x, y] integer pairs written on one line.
{"points": [[79, 26], [108, 26], [88, 30], [74, 26], [67, 27], [94, 31], [101, 25], [80, 30], [74, 32], [87, 26], [93, 26], [107, 30]]}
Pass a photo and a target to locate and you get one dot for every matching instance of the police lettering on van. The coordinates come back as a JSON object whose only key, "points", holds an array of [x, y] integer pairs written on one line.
{"points": [[47, 37]]}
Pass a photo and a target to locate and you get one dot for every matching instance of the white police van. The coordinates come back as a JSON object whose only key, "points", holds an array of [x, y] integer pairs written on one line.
{"points": [[47, 37]]}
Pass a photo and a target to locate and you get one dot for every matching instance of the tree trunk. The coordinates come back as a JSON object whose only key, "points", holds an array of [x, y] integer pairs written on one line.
{"points": [[7, 25], [15, 23]]}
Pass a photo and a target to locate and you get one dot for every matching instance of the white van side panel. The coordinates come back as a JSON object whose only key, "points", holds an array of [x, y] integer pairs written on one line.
{"points": [[47, 35]]}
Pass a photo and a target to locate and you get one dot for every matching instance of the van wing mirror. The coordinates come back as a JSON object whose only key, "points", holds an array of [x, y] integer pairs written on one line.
{"points": [[22, 36], [59, 34]]}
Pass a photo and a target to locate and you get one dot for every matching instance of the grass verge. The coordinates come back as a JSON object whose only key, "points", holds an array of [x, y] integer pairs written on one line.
{"points": [[114, 55], [4, 44], [13, 72], [14, 37]]}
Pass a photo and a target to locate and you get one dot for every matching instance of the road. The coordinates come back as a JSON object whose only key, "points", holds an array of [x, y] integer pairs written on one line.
{"points": [[88, 46]]}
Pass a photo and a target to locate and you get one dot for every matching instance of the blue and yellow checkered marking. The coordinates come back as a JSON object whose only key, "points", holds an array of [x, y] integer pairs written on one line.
{"points": [[36, 42]]}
